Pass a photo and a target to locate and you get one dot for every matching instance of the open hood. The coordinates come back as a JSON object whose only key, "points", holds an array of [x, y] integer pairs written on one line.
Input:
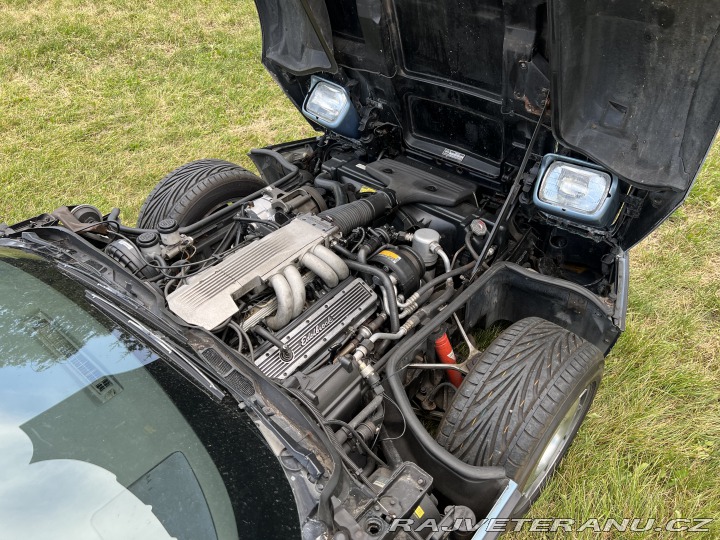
{"points": [[633, 84], [636, 85]]}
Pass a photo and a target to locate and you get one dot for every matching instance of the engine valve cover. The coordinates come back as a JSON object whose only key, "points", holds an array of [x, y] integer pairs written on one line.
{"points": [[348, 304]]}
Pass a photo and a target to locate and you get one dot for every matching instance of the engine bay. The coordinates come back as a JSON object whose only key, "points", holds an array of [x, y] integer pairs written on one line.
{"points": [[314, 278]]}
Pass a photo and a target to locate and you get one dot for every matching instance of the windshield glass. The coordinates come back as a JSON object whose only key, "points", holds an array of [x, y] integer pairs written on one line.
{"points": [[100, 438]]}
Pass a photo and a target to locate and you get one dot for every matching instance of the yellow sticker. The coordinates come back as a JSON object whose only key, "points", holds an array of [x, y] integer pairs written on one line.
{"points": [[389, 255], [367, 189], [419, 512]]}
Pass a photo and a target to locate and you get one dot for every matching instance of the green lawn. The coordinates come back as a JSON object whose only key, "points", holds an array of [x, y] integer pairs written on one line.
{"points": [[98, 102]]}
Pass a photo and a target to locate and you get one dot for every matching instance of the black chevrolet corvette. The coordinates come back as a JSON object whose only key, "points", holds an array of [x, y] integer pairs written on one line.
{"points": [[293, 354]]}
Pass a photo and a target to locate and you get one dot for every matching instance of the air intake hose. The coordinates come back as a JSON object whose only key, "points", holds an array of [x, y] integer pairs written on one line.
{"points": [[358, 213]]}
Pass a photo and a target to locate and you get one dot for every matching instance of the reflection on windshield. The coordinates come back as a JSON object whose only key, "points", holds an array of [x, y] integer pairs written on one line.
{"points": [[101, 439], [80, 499], [68, 381]]}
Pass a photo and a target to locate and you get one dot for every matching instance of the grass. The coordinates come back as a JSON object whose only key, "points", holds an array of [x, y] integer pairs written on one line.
{"points": [[99, 101]]}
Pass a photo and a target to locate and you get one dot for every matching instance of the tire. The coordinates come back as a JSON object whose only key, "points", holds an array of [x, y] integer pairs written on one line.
{"points": [[523, 402], [194, 190]]}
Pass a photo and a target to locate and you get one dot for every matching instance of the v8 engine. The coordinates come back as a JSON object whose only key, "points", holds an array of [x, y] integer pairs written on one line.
{"points": [[282, 264], [310, 279]]}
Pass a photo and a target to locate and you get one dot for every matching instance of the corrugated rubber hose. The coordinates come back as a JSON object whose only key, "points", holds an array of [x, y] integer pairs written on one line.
{"points": [[358, 213]]}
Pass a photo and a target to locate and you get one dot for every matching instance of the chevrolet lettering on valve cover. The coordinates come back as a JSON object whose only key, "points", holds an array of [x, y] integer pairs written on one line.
{"points": [[291, 354]]}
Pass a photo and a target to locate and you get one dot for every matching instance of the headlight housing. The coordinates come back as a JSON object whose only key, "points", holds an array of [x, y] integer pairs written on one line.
{"points": [[577, 191], [329, 105]]}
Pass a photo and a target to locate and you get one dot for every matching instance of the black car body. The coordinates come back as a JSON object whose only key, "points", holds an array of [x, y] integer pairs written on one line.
{"points": [[483, 166]]}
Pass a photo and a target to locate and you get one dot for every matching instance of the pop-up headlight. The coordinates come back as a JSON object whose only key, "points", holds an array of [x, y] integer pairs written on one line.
{"points": [[329, 105], [576, 190]]}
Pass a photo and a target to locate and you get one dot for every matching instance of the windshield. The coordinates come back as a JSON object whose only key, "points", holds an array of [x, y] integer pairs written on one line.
{"points": [[100, 438]]}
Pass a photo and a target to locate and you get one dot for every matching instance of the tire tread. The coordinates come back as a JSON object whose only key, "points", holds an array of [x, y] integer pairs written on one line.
{"points": [[171, 196], [507, 402]]}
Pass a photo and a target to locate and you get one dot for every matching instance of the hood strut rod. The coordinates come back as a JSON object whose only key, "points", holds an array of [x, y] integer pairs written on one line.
{"points": [[509, 203]]}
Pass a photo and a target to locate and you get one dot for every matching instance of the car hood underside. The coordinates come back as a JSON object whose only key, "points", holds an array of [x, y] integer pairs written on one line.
{"points": [[632, 84]]}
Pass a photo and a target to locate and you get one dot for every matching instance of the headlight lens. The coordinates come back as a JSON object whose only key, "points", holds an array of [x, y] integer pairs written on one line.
{"points": [[327, 102], [576, 190], [574, 187], [329, 105]]}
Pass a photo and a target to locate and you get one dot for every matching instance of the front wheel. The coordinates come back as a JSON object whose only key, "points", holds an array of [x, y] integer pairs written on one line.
{"points": [[195, 190], [523, 402]]}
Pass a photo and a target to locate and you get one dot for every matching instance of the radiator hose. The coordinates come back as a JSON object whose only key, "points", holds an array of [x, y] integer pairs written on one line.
{"points": [[324, 181]]}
